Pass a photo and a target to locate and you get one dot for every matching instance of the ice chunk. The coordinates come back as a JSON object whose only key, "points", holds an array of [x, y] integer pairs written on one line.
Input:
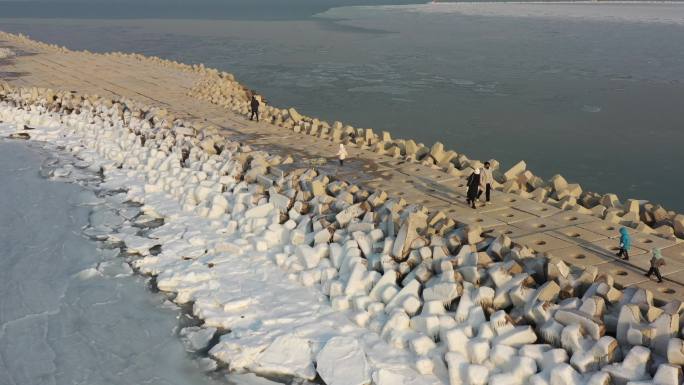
{"points": [[196, 338], [287, 355], [342, 361]]}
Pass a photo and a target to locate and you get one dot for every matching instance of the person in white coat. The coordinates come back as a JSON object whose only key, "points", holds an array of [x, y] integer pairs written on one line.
{"points": [[486, 181], [342, 154]]}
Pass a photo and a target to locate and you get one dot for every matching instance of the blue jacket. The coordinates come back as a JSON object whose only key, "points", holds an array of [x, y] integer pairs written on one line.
{"points": [[625, 240]]}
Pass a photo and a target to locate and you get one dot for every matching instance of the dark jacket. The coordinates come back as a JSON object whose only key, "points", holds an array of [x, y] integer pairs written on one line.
{"points": [[473, 186], [657, 262], [255, 104]]}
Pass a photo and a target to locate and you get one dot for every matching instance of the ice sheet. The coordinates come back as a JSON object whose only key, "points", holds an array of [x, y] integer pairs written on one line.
{"points": [[614, 11], [58, 323]]}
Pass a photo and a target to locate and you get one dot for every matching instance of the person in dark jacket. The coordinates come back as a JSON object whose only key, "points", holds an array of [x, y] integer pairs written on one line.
{"points": [[473, 187], [255, 108], [625, 244], [657, 262]]}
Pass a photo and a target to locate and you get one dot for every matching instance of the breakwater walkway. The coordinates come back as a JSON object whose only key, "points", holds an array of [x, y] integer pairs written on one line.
{"points": [[576, 238]]}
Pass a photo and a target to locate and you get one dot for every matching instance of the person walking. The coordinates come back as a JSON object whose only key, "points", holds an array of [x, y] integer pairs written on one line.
{"points": [[342, 154], [625, 244], [486, 180], [254, 104], [473, 188], [657, 262]]}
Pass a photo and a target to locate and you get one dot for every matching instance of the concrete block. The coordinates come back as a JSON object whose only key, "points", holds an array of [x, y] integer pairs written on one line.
{"points": [[499, 247], [668, 375], [478, 350], [340, 303], [610, 201], [591, 326], [412, 289], [422, 345], [457, 364], [559, 183], [633, 368], [477, 375], [411, 305], [443, 290], [351, 212], [457, 338], [425, 365], [516, 170], [564, 374], [675, 351], [678, 224], [410, 147], [408, 234], [517, 337]]}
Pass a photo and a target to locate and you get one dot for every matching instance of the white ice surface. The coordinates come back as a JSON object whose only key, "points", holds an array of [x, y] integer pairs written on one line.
{"points": [[61, 322], [609, 11]]}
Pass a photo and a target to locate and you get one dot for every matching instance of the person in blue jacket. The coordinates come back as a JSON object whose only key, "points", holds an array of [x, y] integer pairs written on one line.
{"points": [[625, 244]]}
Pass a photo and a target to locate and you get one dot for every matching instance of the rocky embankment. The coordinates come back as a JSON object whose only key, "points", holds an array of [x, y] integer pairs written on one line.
{"points": [[424, 303], [645, 216]]}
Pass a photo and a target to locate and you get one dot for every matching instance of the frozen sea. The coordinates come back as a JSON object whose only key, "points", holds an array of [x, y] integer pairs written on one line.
{"points": [[590, 90], [60, 323]]}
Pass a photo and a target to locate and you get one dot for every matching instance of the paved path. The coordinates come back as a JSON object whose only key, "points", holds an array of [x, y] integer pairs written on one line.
{"points": [[576, 238]]}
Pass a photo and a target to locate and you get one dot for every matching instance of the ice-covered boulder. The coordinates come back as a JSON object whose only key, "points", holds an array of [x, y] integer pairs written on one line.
{"points": [[633, 368]]}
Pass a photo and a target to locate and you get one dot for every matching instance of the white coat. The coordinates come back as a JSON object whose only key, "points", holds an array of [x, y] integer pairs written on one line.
{"points": [[342, 153]]}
